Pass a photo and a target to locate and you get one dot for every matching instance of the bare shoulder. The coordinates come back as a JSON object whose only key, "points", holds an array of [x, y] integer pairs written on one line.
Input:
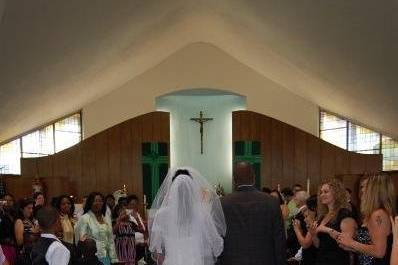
{"points": [[379, 219], [18, 223]]}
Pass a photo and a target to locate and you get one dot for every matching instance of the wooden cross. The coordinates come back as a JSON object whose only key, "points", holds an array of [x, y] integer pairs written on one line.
{"points": [[201, 121]]}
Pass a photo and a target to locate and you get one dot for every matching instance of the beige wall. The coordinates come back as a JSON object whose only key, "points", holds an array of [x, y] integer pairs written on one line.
{"points": [[199, 65]]}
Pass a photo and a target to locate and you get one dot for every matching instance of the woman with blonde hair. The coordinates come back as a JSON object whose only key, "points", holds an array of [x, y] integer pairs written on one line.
{"points": [[374, 238], [334, 217]]}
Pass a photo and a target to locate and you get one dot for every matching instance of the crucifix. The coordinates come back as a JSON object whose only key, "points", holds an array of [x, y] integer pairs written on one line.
{"points": [[201, 121]]}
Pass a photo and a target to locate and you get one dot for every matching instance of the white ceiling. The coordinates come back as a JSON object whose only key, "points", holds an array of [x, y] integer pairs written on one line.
{"points": [[56, 56]]}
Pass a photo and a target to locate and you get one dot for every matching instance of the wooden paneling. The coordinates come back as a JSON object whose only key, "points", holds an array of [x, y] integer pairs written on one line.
{"points": [[357, 163], [342, 164], [114, 149], [137, 138], [327, 160], [287, 155], [313, 162], [277, 153], [266, 150], [103, 162], [45, 166], [28, 167], [300, 157], [74, 164], [112, 158], [60, 168], [88, 181], [20, 187], [374, 163], [291, 156], [244, 125]]}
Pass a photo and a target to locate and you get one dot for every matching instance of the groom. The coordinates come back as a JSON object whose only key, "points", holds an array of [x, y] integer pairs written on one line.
{"points": [[255, 232]]}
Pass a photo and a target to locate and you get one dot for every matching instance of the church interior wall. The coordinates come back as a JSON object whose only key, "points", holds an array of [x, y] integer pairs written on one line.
{"points": [[112, 158], [103, 162], [290, 155], [200, 65]]}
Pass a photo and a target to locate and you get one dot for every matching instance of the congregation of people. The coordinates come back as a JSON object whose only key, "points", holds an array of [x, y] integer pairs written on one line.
{"points": [[189, 223]]}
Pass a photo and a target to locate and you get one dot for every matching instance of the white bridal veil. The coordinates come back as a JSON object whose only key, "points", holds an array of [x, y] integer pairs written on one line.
{"points": [[186, 221]]}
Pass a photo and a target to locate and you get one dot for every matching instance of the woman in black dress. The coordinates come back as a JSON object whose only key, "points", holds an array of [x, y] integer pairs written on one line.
{"points": [[373, 241], [334, 217], [309, 252]]}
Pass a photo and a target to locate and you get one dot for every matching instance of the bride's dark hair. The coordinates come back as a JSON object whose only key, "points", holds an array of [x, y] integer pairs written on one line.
{"points": [[181, 172]]}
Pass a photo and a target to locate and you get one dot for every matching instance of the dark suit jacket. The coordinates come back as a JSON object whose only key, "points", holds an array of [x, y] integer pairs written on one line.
{"points": [[255, 230]]}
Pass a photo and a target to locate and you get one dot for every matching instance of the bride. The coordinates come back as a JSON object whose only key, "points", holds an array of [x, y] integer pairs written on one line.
{"points": [[186, 221]]}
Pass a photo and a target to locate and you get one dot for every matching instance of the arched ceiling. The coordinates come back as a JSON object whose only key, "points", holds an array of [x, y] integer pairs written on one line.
{"points": [[57, 56]]}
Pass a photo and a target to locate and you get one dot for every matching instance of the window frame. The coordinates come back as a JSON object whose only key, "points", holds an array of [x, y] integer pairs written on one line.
{"points": [[51, 123], [348, 124]]}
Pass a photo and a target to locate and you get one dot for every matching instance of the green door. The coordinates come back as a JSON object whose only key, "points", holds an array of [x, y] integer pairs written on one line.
{"points": [[155, 165], [250, 151]]}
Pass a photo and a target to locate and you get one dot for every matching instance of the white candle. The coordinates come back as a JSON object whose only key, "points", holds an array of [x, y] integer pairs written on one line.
{"points": [[279, 187], [144, 199], [308, 186]]}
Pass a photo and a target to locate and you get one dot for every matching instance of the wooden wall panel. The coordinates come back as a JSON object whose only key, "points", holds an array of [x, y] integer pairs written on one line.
{"points": [[161, 127], [114, 149], [74, 165], [255, 127], [342, 161], [300, 157], [394, 176], [327, 160], [236, 127], [288, 155], [28, 167], [244, 123], [313, 162], [112, 158], [374, 163], [102, 162], [137, 139], [266, 150], [147, 128], [60, 164], [45, 166], [19, 186], [291, 155], [358, 163], [126, 161], [277, 153], [88, 180]]}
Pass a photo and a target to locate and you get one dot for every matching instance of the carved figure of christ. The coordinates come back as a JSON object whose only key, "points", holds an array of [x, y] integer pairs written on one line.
{"points": [[201, 121]]}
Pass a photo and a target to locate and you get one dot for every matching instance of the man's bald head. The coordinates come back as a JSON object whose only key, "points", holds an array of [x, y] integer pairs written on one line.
{"points": [[243, 174]]}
